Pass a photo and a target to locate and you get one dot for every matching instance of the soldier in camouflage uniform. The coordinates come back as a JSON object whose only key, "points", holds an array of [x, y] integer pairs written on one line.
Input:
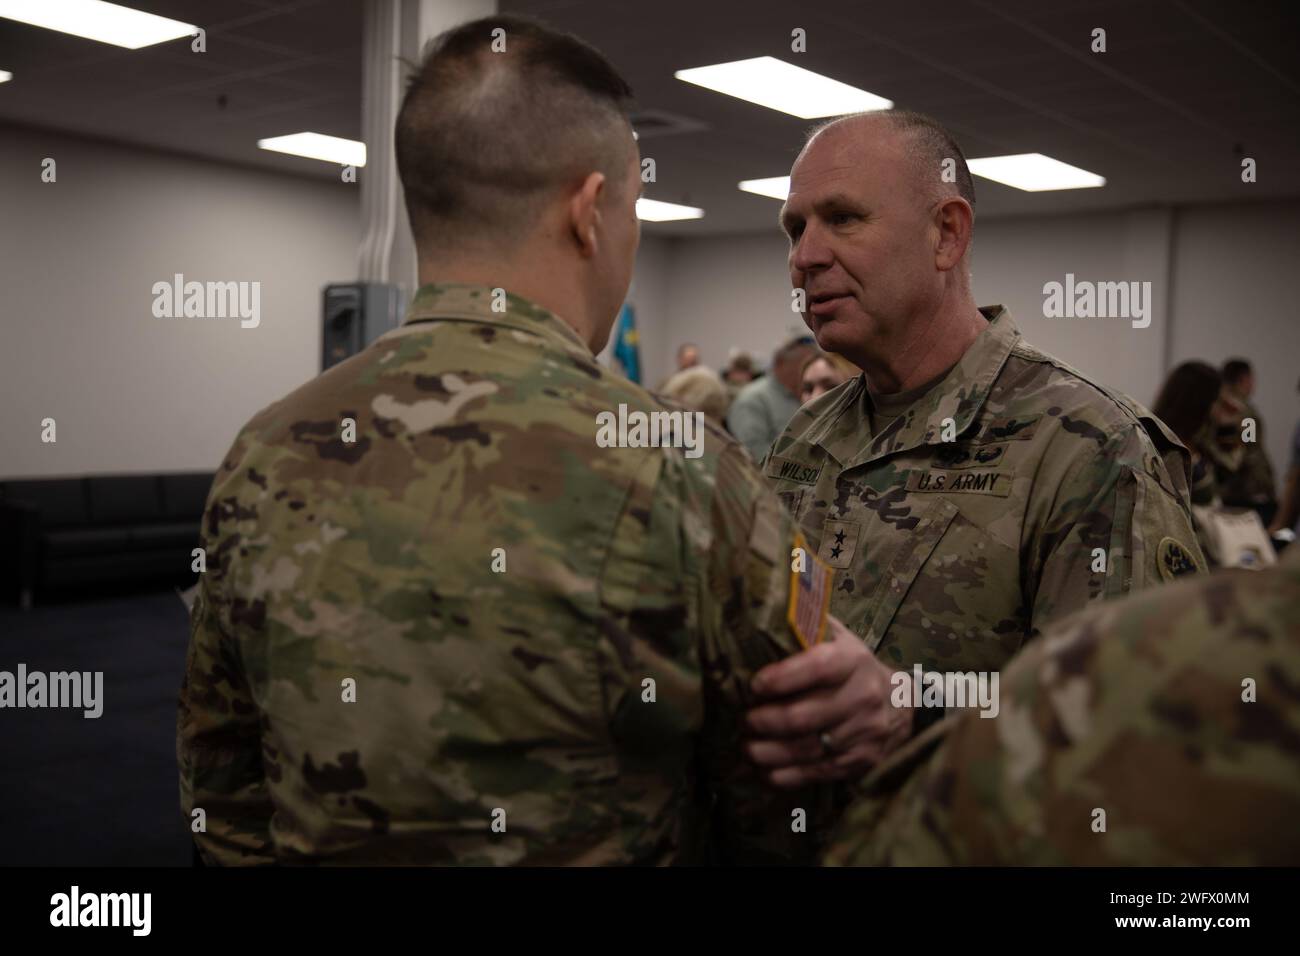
{"points": [[1161, 730], [1051, 492], [440, 623], [967, 488], [1250, 481]]}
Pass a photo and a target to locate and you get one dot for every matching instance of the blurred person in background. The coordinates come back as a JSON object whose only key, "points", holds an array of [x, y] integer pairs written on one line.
{"points": [[739, 369], [823, 372], [1184, 404], [764, 407], [738, 373], [1252, 483], [1207, 419], [688, 356], [701, 390], [1289, 510]]}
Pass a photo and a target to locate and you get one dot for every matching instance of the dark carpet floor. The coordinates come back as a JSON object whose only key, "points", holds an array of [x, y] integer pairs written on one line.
{"points": [[95, 792]]}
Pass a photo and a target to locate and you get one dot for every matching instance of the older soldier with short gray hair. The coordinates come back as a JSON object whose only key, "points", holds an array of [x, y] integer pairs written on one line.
{"points": [[967, 488]]}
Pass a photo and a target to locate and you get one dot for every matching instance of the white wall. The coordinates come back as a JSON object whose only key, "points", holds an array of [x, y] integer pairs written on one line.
{"points": [[1219, 275], [735, 291], [133, 393], [730, 292], [130, 392], [78, 257], [1014, 258]]}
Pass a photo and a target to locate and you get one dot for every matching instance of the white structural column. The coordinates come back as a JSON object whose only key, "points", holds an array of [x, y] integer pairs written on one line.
{"points": [[395, 34]]}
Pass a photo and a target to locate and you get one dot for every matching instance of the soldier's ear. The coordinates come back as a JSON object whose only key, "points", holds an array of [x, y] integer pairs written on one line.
{"points": [[954, 219], [584, 213]]}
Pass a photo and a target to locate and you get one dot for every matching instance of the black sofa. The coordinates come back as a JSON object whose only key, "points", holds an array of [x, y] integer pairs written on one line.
{"points": [[58, 535]]}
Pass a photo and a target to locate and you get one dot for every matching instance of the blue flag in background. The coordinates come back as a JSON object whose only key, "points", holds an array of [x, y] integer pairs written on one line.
{"points": [[625, 345]]}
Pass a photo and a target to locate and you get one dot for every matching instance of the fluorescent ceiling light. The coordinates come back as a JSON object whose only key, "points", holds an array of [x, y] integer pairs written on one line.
{"points": [[5, 76], [652, 210], [1034, 172], [331, 149], [777, 187], [97, 20], [783, 86]]}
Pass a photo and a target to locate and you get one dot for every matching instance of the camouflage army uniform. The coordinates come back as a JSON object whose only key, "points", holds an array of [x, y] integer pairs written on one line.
{"points": [[1252, 483], [1136, 708], [478, 691], [950, 553]]}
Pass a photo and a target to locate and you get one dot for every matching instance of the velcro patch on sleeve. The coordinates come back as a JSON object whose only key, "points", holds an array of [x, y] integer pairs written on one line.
{"points": [[1176, 559], [792, 500], [810, 593]]}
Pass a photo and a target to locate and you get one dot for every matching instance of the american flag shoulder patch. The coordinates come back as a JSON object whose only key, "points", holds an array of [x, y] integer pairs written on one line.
{"points": [[810, 593]]}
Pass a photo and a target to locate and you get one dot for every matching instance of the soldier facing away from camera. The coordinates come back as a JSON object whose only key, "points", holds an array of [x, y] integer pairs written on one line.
{"points": [[967, 488], [467, 633]]}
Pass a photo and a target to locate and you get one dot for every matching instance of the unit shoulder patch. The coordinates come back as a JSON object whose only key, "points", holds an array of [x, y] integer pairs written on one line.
{"points": [[1176, 559]]}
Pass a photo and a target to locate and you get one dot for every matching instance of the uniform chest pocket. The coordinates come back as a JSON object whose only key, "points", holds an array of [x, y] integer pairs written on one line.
{"points": [[910, 556], [794, 481]]}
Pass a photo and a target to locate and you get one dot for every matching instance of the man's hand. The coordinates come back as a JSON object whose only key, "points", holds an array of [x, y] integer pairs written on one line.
{"points": [[826, 713]]}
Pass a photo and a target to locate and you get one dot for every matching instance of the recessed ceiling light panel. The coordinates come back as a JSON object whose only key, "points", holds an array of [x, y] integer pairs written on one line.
{"points": [[329, 149], [97, 20], [652, 210], [774, 187], [778, 85], [1034, 172]]}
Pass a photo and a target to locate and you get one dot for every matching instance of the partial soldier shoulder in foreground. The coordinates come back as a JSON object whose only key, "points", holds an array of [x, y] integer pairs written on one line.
{"points": [[1159, 730]]}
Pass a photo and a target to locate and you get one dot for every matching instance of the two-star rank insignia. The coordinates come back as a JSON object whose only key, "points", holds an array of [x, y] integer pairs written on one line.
{"points": [[839, 542]]}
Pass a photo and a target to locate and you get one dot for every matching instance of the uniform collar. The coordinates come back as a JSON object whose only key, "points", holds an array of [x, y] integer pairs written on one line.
{"points": [[462, 302], [959, 395]]}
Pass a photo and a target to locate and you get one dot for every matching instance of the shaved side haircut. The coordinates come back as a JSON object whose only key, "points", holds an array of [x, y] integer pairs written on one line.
{"points": [[485, 138]]}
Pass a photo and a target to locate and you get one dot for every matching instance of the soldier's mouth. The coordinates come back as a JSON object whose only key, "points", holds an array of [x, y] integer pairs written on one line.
{"points": [[824, 303]]}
